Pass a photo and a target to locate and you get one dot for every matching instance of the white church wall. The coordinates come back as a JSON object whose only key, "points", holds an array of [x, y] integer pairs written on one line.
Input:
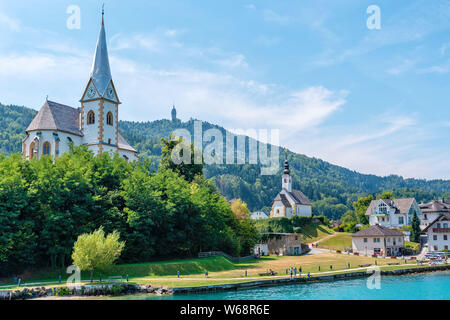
{"points": [[277, 209], [109, 131], [90, 131], [304, 211]]}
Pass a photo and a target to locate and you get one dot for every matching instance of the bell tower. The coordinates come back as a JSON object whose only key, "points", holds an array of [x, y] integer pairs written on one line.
{"points": [[287, 180], [99, 118]]}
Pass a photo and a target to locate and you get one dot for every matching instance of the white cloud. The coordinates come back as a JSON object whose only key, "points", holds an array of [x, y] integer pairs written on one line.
{"points": [[8, 22], [439, 69], [404, 66], [271, 16]]}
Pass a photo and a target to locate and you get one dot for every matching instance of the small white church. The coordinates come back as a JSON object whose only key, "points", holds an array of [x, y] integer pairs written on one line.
{"points": [[95, 123], [289, 202]]}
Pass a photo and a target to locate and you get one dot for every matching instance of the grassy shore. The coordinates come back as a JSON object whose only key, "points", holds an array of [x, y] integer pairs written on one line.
{"points": [[220, 270]]}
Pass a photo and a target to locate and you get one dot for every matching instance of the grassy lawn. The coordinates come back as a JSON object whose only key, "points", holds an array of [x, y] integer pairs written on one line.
{"points": [[221, 270], [412, 245], [139, 270], [314, 232], [339, 241]]}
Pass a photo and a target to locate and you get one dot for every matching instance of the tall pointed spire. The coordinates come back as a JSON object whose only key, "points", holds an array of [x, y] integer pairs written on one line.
{"points": [[101, 72]]}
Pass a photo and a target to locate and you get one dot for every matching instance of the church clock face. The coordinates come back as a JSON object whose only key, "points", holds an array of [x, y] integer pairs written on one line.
{"points": [[91, 92]]}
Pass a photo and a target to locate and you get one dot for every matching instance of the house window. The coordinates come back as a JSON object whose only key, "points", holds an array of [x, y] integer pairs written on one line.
{"points": [[91, 117], [445, 237], [400, 220], [382, 208], [435, 248], [109, 141], [46, 148], [376, 240], [109, 119], [445, 225], [438, 225], [434, 237], [425, 217], [445, 247], [365, 240]]}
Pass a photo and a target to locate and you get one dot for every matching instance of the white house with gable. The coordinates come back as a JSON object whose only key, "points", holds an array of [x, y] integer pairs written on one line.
{"points": [[392, 213]]}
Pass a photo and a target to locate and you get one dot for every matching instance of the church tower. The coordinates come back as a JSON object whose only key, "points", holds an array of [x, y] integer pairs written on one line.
{"points": [[287, 180], [99, 116], [174, 114]]}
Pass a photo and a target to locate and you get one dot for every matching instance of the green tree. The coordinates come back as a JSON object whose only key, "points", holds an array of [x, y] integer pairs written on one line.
{"points": [[415, 228], [95, 251], [360, 207], [188, 167]]}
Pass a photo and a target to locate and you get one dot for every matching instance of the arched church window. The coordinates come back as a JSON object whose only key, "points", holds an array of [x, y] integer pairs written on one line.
{"points": [[109, 119], [32, 147], [91, 117], [46, 147]]}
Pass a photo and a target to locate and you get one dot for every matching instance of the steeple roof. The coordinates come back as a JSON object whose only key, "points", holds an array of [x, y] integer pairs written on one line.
{"points": [[101, 72]]}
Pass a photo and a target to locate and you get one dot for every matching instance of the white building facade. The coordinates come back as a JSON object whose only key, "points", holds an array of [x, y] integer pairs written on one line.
{"points": [[95, 123], [396, 213], [432, 210], [438, 233]]}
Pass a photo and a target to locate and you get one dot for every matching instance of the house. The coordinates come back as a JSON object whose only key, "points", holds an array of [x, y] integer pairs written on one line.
{"points": [[289, 202], [94, 124], [438, 233], [431, 211], [285, 244], [396, 213], [378, 240], [257, 215]]}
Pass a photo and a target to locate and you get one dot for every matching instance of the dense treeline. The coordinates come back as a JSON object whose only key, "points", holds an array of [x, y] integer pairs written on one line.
{"points": [[13, 122], [332, 189], [45, 205]]}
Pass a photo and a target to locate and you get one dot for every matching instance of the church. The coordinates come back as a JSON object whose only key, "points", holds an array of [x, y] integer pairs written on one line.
{"points": [[289, 202], [95, 123]]}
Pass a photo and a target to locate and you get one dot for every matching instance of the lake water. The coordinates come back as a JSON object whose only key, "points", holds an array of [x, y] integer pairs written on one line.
{"points": [[409, 287]]}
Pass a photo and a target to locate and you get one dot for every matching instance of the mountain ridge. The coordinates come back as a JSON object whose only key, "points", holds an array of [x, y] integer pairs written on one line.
{"points": [[332, 188]]}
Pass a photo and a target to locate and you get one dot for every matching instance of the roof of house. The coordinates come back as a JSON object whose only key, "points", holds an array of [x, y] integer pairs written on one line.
{"points": [[445, 215], [401, 206], [377, 230], [435, 206], [56, 116], [257, 213]]}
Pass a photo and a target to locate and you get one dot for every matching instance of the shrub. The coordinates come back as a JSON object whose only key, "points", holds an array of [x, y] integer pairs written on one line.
{"points": [[116, 289]]}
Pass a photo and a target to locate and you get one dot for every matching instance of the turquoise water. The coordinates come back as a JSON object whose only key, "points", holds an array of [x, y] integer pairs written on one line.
{"points": [[427, 286]]}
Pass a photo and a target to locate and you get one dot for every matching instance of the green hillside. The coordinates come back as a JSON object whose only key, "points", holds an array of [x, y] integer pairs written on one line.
{"points": [[332, 188]]}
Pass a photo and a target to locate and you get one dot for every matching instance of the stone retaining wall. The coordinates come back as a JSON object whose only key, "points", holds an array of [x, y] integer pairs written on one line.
{"points": [[83, 291]]}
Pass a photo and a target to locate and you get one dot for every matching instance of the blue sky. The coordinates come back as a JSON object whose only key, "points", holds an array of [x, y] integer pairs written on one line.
{"points": [[375, 101]]}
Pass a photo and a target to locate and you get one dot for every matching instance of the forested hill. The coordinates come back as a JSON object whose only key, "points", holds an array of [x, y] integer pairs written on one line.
{"points": [[332, 188]]}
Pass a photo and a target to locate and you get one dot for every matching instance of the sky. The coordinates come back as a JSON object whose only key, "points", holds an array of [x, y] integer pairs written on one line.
{"points": [[372, 100]]}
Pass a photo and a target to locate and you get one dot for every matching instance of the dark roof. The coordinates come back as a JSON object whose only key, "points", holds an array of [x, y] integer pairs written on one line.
{"points": [[286, 167], [446, 215], [377, 230], [401, 206], [123, 144], [283, 199], [300, 197], [435, 206], [55, 116]]}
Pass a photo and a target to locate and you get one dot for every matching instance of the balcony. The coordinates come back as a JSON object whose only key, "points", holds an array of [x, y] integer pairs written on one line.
{"points": [[441, 230]]}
